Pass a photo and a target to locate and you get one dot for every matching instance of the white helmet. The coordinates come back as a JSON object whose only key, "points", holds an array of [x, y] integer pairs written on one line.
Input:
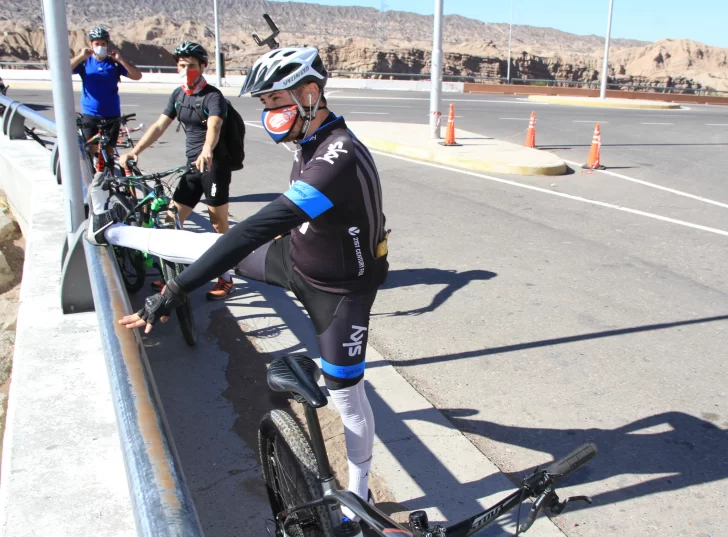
{"points": [[285, 68]]}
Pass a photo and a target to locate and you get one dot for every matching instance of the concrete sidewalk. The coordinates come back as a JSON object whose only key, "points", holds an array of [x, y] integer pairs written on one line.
{"points": [[606, 103], [62, 466], [476, 152]]}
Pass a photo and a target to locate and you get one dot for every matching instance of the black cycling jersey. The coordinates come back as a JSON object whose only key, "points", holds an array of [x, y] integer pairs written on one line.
{"points": [[194, 118], [335, 187], [335, 205]]}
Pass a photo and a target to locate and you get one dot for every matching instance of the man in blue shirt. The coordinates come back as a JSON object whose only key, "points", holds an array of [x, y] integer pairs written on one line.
{"points": [[100, 73]]}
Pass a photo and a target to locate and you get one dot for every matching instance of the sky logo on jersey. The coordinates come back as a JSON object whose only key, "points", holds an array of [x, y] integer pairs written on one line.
{"points": [[356, 338], [333, 152], [278, 122]]}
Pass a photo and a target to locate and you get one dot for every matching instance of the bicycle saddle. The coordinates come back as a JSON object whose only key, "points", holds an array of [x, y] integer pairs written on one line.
{"points": [[298, 374]]}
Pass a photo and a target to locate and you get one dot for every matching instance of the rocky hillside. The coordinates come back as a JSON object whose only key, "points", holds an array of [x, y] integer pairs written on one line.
{"points": [[365, 39]]}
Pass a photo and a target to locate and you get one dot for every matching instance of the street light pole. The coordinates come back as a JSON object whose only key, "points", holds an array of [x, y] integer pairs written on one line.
{"points": [[218, 55], [436, 72], [605, 66], [59, 62], [510, 34]]}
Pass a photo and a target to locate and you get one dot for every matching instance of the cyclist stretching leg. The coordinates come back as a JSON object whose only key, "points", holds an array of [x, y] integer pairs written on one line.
{"points": [[332, 248]]}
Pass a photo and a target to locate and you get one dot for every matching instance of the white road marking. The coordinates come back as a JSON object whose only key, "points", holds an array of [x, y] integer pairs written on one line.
{"points": [[371, 113], [656, 123], [560, 194], [659, 187], [717, 124]]}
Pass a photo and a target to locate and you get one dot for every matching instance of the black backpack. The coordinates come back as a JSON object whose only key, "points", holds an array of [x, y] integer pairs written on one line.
{"points": [[232, 134]]}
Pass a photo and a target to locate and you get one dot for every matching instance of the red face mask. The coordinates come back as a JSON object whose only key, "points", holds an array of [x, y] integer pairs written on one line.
{"points": [[191, 80]]}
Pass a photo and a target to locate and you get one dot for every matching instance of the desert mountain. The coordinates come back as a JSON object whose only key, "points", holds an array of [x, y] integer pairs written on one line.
{"points": [[365, 39]]}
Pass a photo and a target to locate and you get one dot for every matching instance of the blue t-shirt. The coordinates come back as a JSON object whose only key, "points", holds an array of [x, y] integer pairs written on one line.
{"points": [[100, 94]]}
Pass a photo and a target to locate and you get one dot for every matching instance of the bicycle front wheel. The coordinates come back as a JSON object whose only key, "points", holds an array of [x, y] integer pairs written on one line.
{"points": [[184, 312], [289, 471], [131, 262]]}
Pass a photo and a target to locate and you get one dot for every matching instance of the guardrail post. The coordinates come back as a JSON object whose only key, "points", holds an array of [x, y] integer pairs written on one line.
{"points": [[15, 123]]}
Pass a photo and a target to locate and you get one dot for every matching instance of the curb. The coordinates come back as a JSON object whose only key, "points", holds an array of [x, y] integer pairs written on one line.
{"points": [[607, 103], [479, 165]]}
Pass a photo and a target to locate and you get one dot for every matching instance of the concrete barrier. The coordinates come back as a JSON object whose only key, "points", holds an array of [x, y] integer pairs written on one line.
{"points": [[62, 466]]}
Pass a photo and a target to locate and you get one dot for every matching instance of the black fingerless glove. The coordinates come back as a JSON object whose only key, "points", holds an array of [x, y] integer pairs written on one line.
{"points": [[162, 304]]}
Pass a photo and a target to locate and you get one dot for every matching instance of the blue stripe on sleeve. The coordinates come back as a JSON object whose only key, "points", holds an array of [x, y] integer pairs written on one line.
{"points": [[308, 199], [343, 371]]}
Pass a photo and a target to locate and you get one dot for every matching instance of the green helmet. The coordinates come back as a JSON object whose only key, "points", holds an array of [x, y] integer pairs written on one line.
{"points": [[98, 33], [190, 49]]}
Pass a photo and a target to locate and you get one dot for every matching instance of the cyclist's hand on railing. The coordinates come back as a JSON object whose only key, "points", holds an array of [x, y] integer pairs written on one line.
{"points": [[123, 159], [204, 161], [156, 307]]}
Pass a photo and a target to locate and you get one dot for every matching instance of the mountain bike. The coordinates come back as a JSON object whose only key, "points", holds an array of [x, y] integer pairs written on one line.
{"points": [[303, 495], [151, 211], [124, 139], [102, 160], [131, 263]]}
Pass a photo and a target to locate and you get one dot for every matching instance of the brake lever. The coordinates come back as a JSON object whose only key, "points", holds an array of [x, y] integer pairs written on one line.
{"points": [[558, 507]]}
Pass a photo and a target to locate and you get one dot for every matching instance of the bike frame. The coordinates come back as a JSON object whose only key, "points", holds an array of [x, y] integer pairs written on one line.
{"points": [[334, 498]]}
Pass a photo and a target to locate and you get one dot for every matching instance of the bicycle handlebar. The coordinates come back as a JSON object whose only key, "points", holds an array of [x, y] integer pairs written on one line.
{"points": [[104, 123], [573, 461]]}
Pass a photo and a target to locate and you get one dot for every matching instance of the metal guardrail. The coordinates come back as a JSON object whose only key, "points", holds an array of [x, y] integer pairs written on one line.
{"points": [[160, 498]]}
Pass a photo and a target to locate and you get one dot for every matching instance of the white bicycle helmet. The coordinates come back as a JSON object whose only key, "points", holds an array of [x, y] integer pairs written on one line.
{"points": [[285, 68]]}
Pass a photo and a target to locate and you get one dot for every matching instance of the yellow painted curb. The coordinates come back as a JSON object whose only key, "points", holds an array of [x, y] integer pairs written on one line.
{"points": [[607, 103], [478, 165]]}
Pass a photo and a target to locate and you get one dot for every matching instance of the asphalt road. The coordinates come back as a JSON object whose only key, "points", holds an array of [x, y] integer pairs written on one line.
{"points": [[536, 320]]}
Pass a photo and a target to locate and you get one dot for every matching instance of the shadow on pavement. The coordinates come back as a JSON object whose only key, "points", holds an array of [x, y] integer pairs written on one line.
{"points": [[451, 279], [555, 341], [691, 450]]}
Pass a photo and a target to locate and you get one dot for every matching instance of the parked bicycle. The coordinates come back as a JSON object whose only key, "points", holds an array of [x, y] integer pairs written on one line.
{"points": [[151, 209], [102, 160], [303, 494], [124, 139]]}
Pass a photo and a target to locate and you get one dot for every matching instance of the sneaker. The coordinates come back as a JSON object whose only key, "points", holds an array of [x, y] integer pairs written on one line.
{"points": [[97, 224], [220, 290]]}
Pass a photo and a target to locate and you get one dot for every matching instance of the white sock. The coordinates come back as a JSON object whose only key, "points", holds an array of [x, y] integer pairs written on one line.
{"points": [[356, 415], [227, 277], [359, 478], [99, 198]]}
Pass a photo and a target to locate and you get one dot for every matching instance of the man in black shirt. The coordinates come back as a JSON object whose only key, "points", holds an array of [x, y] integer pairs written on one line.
{"points": [[324, 239], [200, 109]]}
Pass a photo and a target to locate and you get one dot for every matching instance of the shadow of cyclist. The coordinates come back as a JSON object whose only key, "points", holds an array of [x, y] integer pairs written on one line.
{"points": [[451, 279], [690, 450]]}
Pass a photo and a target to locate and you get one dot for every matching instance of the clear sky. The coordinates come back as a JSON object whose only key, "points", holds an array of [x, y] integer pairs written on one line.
{"points": [[648, 20]]}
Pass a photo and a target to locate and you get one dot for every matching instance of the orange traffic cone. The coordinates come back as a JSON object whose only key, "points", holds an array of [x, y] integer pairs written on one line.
{"points": [[531, 133], [450, 132], [594, 162]]}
